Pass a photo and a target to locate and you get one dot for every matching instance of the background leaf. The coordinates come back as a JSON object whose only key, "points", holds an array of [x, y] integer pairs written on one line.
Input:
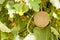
{"points": [[4, 28], [42, 34], [34, 6], [2, 1], [18, 7]]}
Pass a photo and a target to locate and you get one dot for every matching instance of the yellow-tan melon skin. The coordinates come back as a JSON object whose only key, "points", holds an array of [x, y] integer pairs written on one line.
{"points": [[41, 19]]}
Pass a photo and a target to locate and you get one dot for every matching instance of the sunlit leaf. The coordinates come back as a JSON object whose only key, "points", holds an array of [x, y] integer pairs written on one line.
{"points": [[11, 12], [30, 37], [4, 28], [9, 5], [54, 31], [17, 37], [58, 13], [55, 15], [2, 1], [55, 3]]}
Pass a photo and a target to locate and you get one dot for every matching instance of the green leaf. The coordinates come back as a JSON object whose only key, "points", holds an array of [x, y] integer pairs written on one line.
{"points": [[18, 7], [37, 1], [11, 13], [4, 28], [2, 1], [15, 30], [6, 36], [51, 15], [17, 37], [3, 35], [0, 7], [54, 31], [54, 37], [34, 6], [9, 4], [59, 29], [20, 26], [42, 34], [24, 8], [58, 13], [29, 37]]}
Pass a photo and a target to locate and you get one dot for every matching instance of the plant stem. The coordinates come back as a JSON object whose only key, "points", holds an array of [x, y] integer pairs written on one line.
{"points": [[29, 23]]}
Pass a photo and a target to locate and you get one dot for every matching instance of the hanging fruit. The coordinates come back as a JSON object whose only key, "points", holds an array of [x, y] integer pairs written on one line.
{"points": [[41, 19]]}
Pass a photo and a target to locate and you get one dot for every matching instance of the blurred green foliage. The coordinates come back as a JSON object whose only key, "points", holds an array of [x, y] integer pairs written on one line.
{"points": [[16, 14]]}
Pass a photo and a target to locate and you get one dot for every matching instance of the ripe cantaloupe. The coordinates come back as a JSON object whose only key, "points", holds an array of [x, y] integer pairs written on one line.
{"points": [[41, 19]]}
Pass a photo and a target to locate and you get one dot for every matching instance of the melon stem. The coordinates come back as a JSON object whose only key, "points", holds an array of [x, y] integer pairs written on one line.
{"points": [[29, 23]]}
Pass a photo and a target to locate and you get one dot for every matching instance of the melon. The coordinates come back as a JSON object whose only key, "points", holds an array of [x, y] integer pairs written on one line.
{"points": [[41, 19]]}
